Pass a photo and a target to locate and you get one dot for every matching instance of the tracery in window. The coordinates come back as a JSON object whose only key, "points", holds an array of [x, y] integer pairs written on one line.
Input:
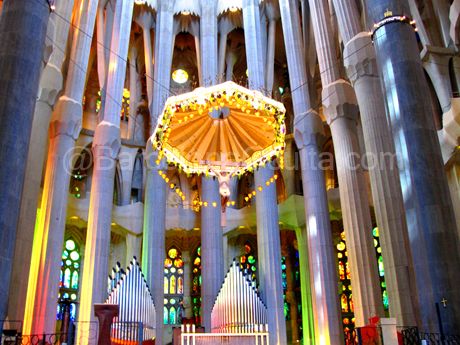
{"points": [[173, 286], [69, 281]]}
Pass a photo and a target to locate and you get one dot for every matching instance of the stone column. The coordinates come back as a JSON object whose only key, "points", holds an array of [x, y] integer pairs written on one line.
{"points": [[212, 260], [273, 16], [64, 129], [211, 231], [361, 66], [106, 146], [268, 234], [51, 83], [135, 93], [362, 70], [222, 54], [22, 38], [145, 20], [188, 266], [308, 134], [155, 192], [429, 214], [133, 247], [340, 108], [153, 243]]}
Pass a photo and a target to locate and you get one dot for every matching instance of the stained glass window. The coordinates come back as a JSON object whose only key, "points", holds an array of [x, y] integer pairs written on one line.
{"points": [[248, 261], [196, 286], [173, 286], [346, 301], [378, 253], [69, 281]]}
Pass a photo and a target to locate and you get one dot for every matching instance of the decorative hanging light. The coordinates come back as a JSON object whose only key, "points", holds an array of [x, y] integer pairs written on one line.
{"points": [[180, 76]]}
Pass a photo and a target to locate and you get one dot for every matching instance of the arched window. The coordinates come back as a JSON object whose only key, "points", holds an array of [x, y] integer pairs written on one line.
{"points": [[196, 285], [80, 182], [117, 186], [248, 261], [69, 282], [136, 184], [173, 286]]}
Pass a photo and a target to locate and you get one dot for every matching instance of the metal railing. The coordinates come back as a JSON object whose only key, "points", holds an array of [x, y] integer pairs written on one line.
{"points": [[412, 336], [260, 336]]}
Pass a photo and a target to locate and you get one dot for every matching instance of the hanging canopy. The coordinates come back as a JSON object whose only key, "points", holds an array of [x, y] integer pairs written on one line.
{"points": [[220, 129]]}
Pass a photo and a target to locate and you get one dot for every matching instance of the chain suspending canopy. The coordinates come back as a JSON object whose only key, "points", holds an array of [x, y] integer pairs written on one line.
{"points": [[224, 128]]}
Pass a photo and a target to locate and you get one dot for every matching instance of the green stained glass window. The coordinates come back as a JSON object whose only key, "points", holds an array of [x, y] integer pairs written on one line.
{"points": [[381, 267], [196, 286], [69, 279]]}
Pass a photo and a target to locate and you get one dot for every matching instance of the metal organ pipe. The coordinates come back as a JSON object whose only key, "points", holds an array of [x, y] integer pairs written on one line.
{"points": [[130, 291], [238, 307]]}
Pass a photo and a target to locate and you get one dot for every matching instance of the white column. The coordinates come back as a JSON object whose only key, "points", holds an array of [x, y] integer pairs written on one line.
{"points": [[340, 108], [145, 20], [268, 234], [361, 66], [273, 17], [211, 232], [106, 146], [155, 193], [386, 189], [212, 260], [51, 83], [64, 129], [308, 134], [188, 266]]}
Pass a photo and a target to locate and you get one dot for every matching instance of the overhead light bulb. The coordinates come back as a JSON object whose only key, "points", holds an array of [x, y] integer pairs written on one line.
{"points": [[180, 76]]}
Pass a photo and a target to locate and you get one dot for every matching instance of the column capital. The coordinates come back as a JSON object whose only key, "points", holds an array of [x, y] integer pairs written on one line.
{"points": [[50, 84], [339, 100], [144, 19], [359, 57], [66, 118], [106, 140], [308, 129]]}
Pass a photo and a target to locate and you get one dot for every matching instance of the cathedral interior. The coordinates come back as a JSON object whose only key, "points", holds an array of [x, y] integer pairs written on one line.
{"points": [[310, 146]]}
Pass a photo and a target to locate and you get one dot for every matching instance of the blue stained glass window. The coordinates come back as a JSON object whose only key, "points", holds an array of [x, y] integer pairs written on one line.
{"points": [[69, 279], [172, 316]]}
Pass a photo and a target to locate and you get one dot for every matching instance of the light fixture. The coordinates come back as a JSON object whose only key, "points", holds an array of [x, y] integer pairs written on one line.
{"points": [[185, 13], [180, 76], [234, 9]]}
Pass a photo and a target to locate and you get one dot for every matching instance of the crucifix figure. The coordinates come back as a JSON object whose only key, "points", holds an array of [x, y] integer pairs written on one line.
{"points": [[444, 302]]}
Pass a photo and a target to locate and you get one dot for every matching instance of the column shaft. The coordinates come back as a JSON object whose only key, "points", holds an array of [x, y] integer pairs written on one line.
{"points": [[360, 62], [386, 189], [64, 129], [22, 37], [340, 108], [269, 252], [212, 266], [308, 133], [211, 231], [430, 219], [51, 84], [106, 146], [268, 234], [155, 193], [153, 243]]}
